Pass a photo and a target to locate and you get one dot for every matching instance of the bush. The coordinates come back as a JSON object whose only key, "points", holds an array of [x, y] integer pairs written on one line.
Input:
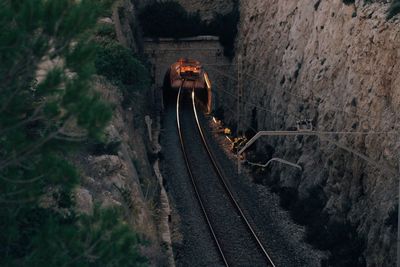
{"points": [[288, 197], [340, 238], [118, 64], [306, 210], [99, 148], [48, 238], [170, 19], [225, 26], [348, 2], [106, 30], [394, 9]]}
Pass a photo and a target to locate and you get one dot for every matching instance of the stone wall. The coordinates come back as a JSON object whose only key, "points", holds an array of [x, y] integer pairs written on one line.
{"points": [[162, 53], [339, 66]]}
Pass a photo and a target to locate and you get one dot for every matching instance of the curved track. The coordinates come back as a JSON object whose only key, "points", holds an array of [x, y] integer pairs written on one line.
{"points": [[194, 183], [245, 226]]}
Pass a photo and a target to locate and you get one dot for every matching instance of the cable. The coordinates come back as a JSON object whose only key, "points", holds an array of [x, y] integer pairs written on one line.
{"points": [[339, 109], [333, 108], [383, 168], [251, 103]]}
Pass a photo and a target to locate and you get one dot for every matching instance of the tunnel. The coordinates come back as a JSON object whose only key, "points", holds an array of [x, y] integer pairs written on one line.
{"points": [[189, 75]]}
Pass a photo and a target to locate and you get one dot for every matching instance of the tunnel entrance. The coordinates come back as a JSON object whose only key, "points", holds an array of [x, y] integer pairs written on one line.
{"points": [[189, 75]]}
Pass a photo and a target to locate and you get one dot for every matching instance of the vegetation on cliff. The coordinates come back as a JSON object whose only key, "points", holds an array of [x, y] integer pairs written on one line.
{"points": [[394, 9], [48, 107], [170, 19]]}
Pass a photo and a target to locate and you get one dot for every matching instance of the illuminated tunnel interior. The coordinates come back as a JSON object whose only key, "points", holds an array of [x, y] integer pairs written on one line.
{"points": [[188, 74]]}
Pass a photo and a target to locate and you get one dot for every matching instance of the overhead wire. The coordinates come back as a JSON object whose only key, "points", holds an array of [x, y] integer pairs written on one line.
{"points": [[322, 134], [296, 115], [248, 102], [333, 108]]}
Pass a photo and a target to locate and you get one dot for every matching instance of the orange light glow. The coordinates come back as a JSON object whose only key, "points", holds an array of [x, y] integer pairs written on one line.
{"points": [[190, 69]]}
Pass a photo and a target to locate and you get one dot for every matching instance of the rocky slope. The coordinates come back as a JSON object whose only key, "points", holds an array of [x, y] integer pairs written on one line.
{"points": [[337, 65], [120, 172]]}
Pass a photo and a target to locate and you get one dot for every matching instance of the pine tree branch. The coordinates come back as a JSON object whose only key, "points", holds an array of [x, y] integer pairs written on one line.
{"points": [[70, 139], [21, 201], [32, 118], [32, 180], [19, 70], [13, 193], [19, 157], [86, 253]]}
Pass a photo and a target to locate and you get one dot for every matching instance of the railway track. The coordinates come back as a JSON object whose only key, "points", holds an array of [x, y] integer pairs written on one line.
{"points": [[237, 242]]}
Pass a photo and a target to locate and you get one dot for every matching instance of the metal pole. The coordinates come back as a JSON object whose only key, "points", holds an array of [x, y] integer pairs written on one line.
{"points": [[398, 224], [239, 100]]}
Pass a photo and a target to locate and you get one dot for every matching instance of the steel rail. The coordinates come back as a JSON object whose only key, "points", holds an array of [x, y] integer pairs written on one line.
{"points": [[193, 181], [226, 187]]}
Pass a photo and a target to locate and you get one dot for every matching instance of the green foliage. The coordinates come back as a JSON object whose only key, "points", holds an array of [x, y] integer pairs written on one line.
{"points": [[225, 26], [348, 2], [46, 65], [35, 113], [43, 237], [104, 148], [394, 9], [106, 31], [99, 240], [120, 66], [170, 19]]}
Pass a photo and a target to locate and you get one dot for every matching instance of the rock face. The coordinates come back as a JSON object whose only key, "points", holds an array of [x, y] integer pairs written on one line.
{"points": [[116, 171], [339, 66]]}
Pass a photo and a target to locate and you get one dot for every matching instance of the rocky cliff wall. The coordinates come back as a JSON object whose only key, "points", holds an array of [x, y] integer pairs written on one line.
{"points": [[337, 65]]}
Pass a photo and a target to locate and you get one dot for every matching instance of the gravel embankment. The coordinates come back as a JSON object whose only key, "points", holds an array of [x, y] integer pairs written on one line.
{"points": [[282, 237]]}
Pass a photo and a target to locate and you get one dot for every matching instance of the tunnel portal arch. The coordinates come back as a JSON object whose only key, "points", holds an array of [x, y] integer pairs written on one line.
{"points": [[163, 52]]}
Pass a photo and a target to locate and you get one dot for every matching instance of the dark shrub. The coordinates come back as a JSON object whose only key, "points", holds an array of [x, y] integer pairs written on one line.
{"points": [[288, 197], [225, 26], [118, 64], [394, 9], [104, 148], [106, 31], [306, 210], [169, 19], [348, 2], [340, 238]]}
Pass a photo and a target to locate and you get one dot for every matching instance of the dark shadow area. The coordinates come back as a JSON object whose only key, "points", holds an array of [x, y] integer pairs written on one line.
{"points": [[170, 19], [339, 237]]}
